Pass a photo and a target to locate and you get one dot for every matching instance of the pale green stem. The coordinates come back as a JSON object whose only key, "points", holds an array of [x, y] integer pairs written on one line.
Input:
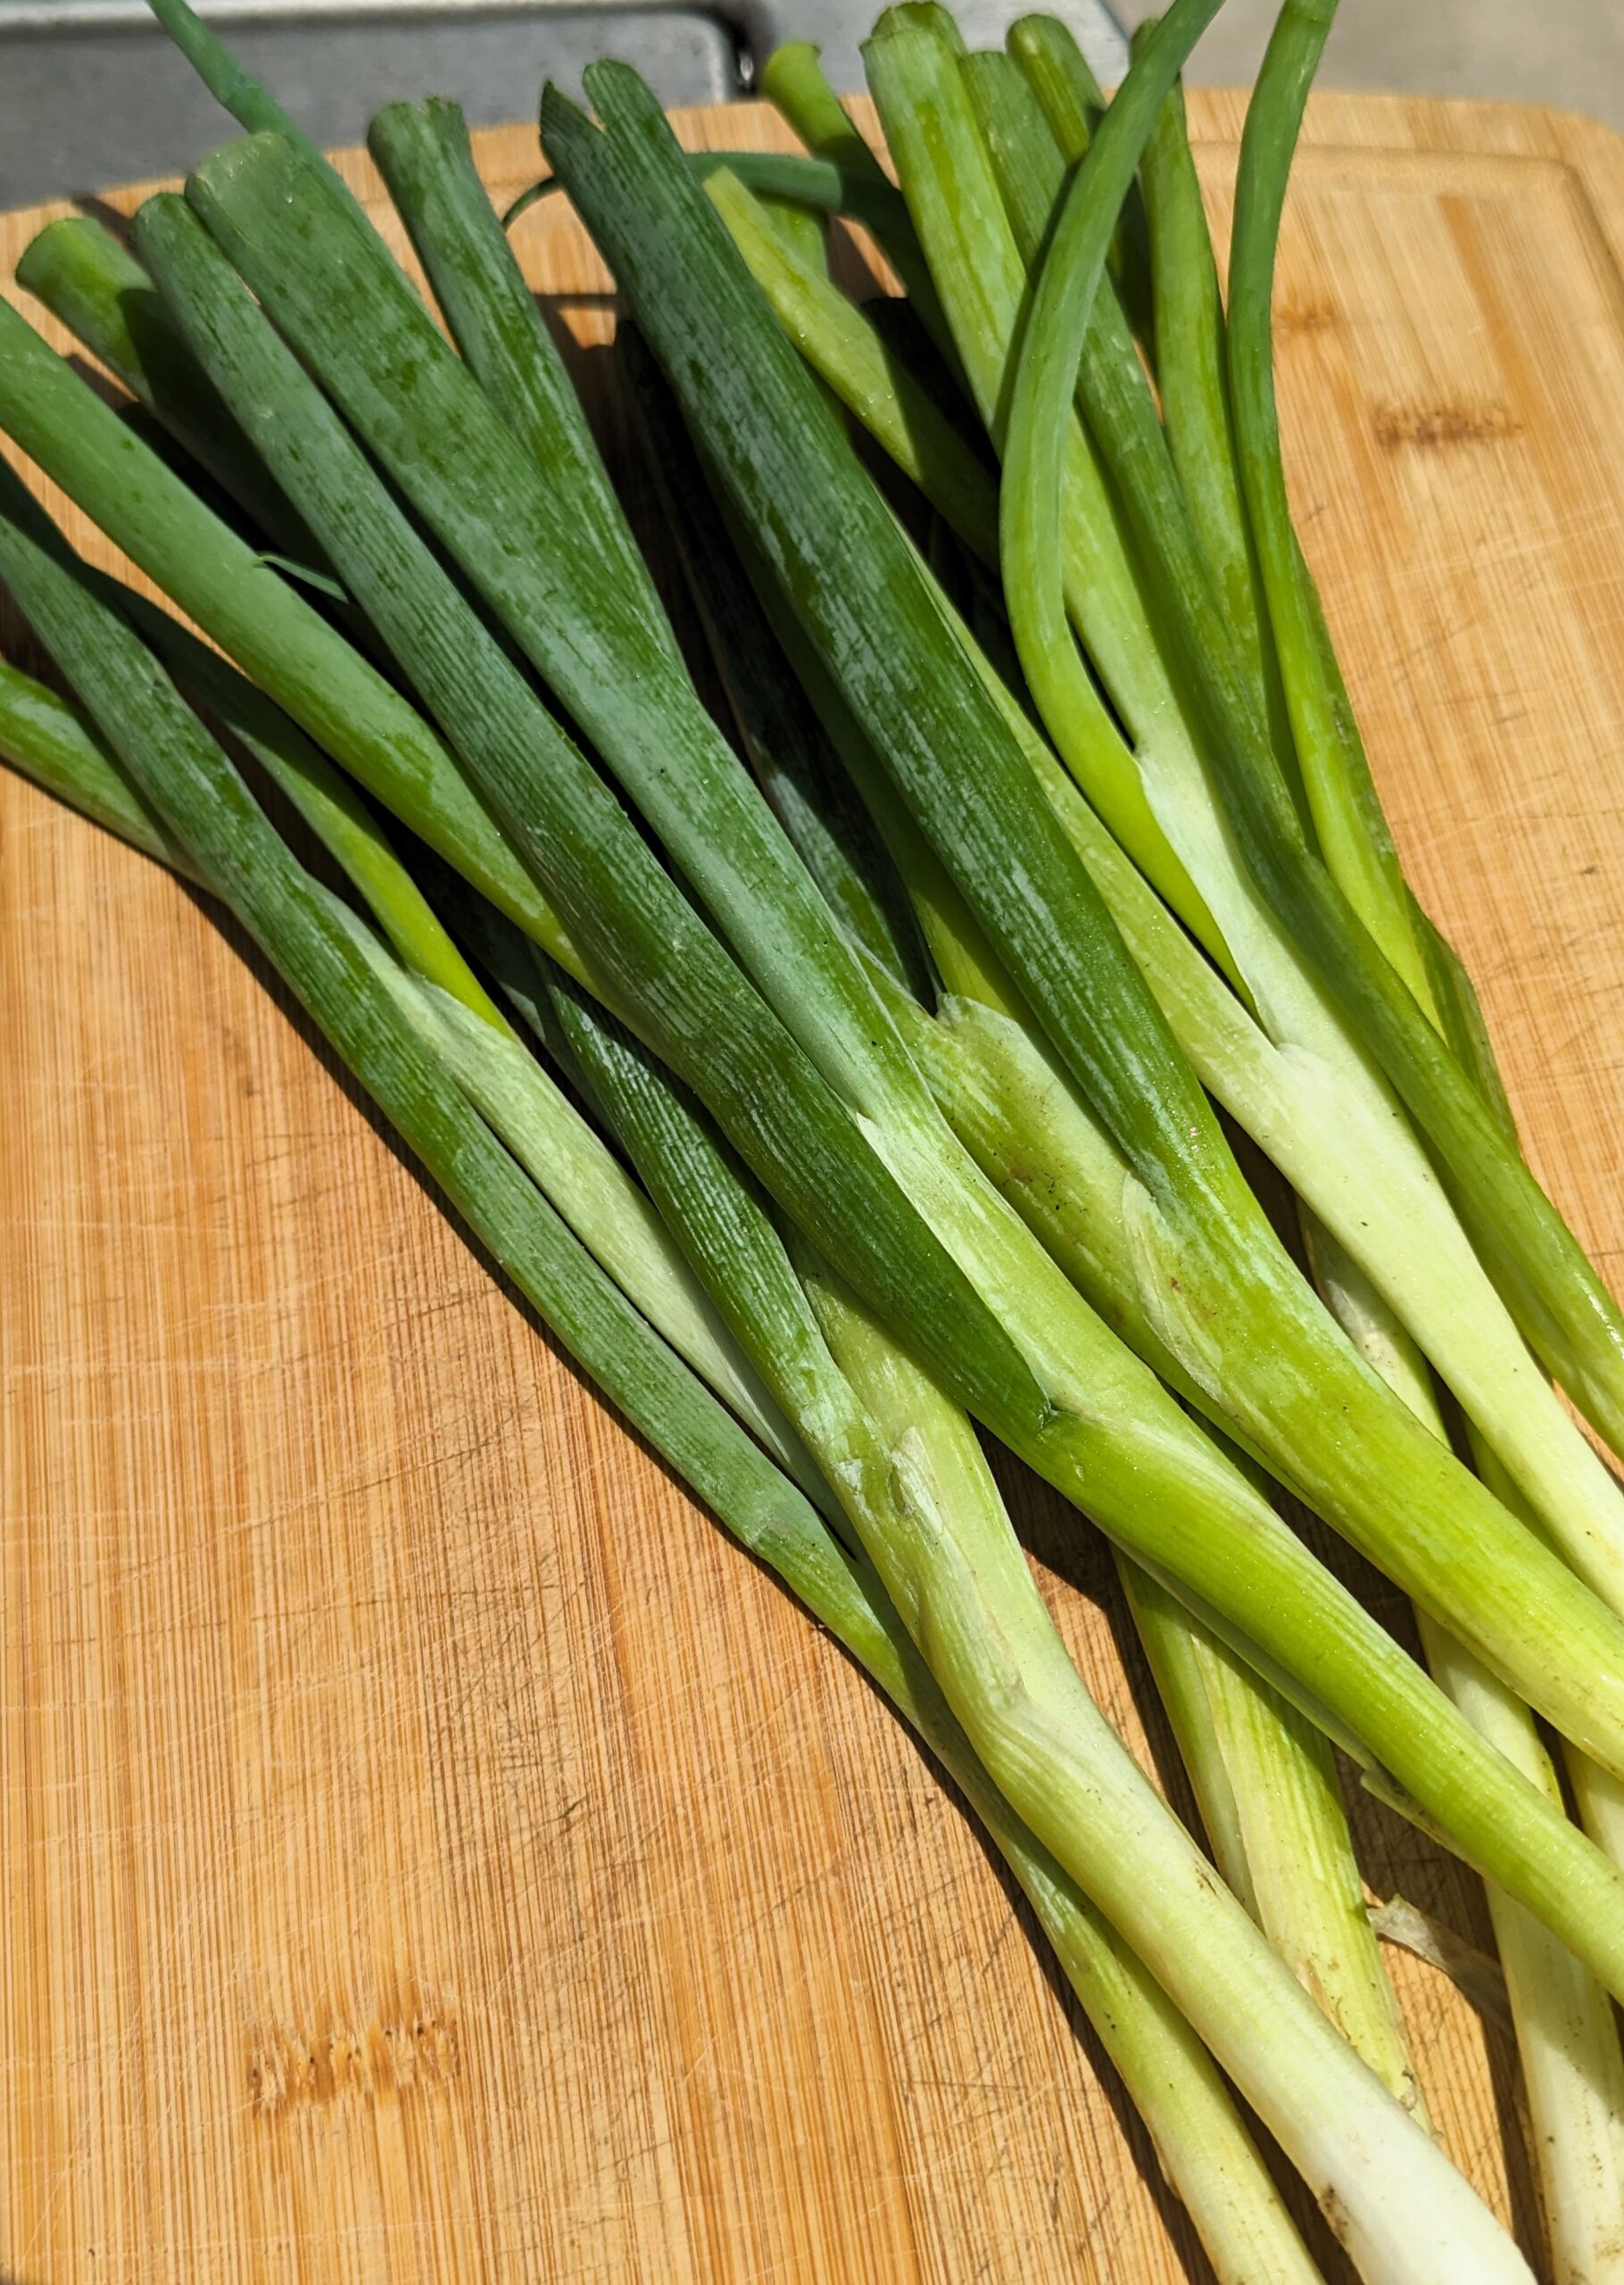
{"points": [[1025, 1698], [1266, 1784], [1567, 2034]]}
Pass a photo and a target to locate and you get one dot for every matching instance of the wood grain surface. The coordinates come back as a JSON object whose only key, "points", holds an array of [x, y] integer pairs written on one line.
{"points": [[428, 1851]]}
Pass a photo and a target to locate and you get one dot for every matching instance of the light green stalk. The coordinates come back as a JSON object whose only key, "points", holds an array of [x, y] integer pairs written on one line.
{"points": [[1073, 103], [606, 1209], [1266, 1784], [792, 79], [846, 350], [1193, 389], [1349, 826], [52, 743], [97, 288], [938, 1462], [1567, 2033]]}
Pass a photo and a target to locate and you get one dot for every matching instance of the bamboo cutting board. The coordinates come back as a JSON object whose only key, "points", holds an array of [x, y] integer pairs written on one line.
{"points": [[429, 1851]]}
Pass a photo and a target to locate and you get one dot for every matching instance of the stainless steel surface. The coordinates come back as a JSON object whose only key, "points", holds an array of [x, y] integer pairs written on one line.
{"points": [[91, 93], [1568, 53]]}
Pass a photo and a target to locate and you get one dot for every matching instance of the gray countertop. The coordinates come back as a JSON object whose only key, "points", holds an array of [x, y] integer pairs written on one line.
{"points": [[91, 93]]}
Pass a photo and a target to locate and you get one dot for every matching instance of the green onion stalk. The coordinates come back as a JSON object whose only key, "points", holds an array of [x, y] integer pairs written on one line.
{"points": [[1175, 1501], [378, 1014], [97, 288], [1318, 1107], [1264, 1778]]}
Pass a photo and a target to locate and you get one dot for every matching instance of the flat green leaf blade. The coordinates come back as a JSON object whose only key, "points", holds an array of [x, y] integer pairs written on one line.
{"points": [[600, 640], [217, 579], [829, 539], [89, 281]]}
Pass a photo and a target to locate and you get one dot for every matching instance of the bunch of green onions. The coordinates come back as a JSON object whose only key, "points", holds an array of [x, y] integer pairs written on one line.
{"points": [[840, 1076]]}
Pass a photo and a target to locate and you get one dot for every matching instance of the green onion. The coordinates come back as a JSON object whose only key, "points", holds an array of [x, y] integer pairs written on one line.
{"points": [[747, 1110], [913, 69], [1211, 2157], [462, 504], [765, 1121], [855, 360]]}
